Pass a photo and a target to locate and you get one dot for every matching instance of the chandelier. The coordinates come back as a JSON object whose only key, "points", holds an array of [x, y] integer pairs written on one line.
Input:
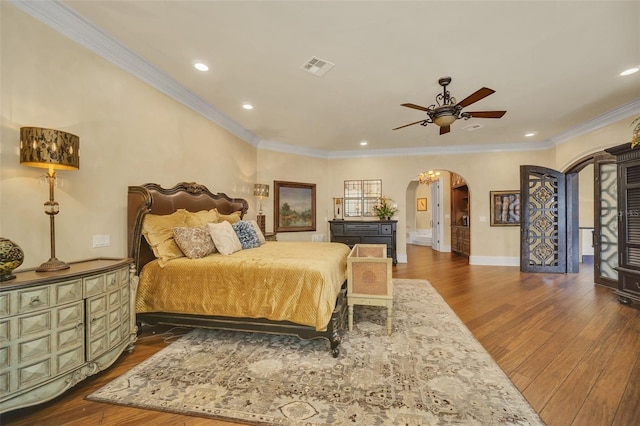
{"points": [[429, 177]]}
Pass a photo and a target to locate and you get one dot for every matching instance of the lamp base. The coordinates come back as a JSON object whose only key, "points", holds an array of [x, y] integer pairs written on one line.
{"points": [[261, 222], [52, 265]]}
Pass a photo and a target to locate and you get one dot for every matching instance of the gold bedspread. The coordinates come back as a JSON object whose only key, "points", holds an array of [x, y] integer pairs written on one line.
{"points": [[284, 281]]}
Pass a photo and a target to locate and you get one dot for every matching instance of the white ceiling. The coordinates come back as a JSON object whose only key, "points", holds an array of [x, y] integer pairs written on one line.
{"points": [[554, 65]]}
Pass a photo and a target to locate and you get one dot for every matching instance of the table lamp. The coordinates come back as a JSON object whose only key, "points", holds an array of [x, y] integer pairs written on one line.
{"points": [[53, 150], [260, 191]]}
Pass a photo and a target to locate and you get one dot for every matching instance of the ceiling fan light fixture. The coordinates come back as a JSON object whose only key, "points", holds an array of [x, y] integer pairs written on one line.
{"points": [[444, 116]]}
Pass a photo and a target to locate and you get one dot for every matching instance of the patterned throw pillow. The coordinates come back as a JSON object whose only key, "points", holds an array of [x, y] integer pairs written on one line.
{"points": [[246, 234], [258, 231], [195, 242]]}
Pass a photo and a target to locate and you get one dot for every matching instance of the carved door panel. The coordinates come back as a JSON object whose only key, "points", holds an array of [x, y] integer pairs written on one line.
{"points": [[605, 232], [543, 239]]}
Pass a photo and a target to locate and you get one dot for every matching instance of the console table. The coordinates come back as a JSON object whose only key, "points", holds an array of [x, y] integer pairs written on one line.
{"points": [[352, 232], [58, 328]]}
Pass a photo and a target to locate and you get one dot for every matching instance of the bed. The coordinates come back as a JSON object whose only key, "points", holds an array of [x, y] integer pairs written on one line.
{"points": [[278, 287]]}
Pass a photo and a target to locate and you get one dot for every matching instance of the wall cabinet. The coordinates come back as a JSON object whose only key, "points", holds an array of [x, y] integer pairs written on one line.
{"points": [[57, 328], [460, 232], [628, 161], [352, 232]]}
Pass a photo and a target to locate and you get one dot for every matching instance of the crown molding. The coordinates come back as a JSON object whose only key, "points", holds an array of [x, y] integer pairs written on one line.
{"points": [[66, 21]]}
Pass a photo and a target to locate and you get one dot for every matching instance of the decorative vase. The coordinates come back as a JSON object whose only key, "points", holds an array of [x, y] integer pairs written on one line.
{"points": [[11, 256]]}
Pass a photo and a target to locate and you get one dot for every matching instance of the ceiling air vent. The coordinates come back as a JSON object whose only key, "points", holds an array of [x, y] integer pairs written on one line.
{"points": [[473, 127], [317, 66]]}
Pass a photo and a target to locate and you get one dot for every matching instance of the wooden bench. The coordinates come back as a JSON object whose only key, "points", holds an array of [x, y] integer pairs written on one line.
{"points": [[369, 280]]}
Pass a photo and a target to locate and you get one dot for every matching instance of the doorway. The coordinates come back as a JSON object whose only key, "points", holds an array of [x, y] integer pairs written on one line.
{"points": [[552, 239]]}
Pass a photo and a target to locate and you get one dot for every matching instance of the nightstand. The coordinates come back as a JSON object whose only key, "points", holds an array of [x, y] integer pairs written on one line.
{"points": [[271, 236]]}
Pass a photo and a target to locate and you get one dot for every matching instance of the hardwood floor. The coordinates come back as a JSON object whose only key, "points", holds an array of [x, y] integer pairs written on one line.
{"points": [[568, 345]]}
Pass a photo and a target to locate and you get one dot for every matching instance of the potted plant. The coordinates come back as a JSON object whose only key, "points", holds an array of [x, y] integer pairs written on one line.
{"points": [[385, 208], [635, 135]]}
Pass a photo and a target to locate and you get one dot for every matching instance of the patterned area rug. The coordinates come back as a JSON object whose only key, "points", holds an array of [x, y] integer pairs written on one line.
{"points": [[430, 371]]}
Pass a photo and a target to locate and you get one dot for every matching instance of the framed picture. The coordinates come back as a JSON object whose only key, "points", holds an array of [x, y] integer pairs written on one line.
{"points": [[422, 204], [294, 206], [505, 208]]}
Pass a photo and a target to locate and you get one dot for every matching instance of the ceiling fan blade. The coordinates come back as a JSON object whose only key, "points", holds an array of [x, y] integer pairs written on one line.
{"points": [[487, 114], [445, 129], [414, 106], [475, 97], [407, 125]]}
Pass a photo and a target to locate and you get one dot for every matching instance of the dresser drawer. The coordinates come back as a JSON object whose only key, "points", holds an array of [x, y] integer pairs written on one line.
{"points": [[377, 240], [68, 291], [362, 228], [94, 285], [34, 298], [5, 304]]}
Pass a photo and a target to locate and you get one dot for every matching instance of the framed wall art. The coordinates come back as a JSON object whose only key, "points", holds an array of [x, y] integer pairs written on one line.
{"points": [[294, 206], [505, 208], [422, 204]]}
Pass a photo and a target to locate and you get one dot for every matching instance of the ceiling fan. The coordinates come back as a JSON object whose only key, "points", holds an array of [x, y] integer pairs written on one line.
{"points": [[448, 110]]}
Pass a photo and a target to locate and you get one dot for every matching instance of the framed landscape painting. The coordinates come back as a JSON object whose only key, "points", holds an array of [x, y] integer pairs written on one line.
{"points": [[505, 208], [294, 206]]}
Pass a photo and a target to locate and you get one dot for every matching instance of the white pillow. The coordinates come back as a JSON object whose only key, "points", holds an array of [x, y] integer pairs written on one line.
{"points": [[258, 231], [224, 237]]}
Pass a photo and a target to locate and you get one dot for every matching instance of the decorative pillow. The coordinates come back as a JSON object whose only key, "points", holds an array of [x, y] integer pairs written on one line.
{"points": [[158, 231], [258, 231], [195, 242], [224, 237], [202, 217], [231, 218], [246, 234]]}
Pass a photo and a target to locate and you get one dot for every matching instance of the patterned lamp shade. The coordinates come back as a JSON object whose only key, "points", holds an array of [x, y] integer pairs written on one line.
{"points": [[49, 149], [261, 190]]}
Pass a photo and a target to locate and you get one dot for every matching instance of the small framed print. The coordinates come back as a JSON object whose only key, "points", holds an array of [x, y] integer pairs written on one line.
{"points": [[422, 204], [505, 208]]}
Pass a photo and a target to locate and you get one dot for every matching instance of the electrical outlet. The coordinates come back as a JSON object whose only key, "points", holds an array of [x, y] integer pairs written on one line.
{"points": [[101, 241]]}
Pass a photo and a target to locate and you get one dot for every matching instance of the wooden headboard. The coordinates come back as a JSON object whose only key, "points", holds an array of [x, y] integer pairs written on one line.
{"points": [[152, 198]]}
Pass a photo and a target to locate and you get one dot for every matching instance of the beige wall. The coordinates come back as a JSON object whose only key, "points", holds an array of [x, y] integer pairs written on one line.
{"points": [[132, 134], [129, 134]]}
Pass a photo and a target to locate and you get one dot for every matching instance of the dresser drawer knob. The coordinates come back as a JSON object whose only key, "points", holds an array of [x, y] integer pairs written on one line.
{"points": [[637, 284], [35, 301]]}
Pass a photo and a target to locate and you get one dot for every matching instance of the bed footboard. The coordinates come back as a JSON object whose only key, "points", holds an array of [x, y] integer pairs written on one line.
{"points": [[333, 333]]}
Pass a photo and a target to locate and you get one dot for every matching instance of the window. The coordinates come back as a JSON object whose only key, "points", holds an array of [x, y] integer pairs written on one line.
{"points": [[361, 196]]}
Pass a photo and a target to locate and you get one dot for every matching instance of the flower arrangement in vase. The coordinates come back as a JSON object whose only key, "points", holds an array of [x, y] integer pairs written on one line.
{"points": [[385, 208]]}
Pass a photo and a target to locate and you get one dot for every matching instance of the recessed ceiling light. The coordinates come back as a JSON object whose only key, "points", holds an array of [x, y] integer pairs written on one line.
{"points": [[247, 106], [201, 67], [530, 134], [630, 71], [364, 143]]}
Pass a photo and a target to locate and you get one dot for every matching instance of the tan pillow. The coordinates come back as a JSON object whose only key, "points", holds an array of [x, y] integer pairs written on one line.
{"points": [[158, 231], [258, 231], [195, 242], [202, 217], [224, 237], [231, 218]]}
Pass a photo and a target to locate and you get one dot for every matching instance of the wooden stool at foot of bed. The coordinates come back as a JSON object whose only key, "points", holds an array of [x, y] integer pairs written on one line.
{"points": [[369, 280]]}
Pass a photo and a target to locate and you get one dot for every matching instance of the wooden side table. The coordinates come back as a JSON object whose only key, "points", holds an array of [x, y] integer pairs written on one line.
{"points": [[271, 236]]}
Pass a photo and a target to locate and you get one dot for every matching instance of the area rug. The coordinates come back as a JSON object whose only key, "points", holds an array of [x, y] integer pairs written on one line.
{"points": [[430, 371]]}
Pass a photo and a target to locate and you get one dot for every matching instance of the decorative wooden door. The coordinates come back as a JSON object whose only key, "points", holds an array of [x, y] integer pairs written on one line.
{"points": [[605, 232], [543, 226]]}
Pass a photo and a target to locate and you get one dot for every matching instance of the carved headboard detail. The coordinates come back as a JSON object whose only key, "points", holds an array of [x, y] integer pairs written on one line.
{"points": [[152, 198]]}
